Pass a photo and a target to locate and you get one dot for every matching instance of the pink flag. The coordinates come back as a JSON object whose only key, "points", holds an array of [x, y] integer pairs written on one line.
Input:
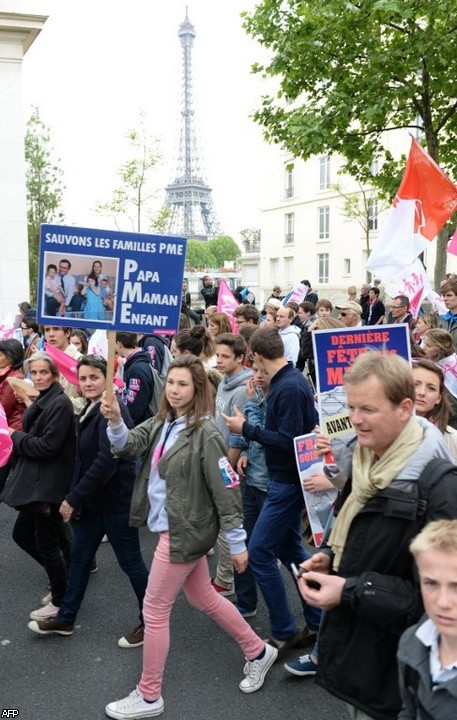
{"points": [[6, 444], [226, 303], [424, 201], [452, 247], [65, 364]]}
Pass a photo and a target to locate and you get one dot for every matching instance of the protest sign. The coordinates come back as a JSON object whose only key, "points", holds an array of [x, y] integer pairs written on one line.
{"points": [[334, 352], [319, 504], [92, 278]]}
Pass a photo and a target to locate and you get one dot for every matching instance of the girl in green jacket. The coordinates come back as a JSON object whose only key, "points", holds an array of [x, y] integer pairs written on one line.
{"points": [[189, 491]]}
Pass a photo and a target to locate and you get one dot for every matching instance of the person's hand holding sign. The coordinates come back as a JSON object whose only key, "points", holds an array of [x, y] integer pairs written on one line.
{"points": [[110, 409]]}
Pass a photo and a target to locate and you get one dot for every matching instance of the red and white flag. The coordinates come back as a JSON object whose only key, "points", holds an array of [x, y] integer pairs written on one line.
{"points": [[226, 303], [424, 201]]}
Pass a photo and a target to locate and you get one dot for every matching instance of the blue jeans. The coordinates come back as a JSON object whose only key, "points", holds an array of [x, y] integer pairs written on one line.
{"points": [[88, 536], [277, 534], [245, 584]]}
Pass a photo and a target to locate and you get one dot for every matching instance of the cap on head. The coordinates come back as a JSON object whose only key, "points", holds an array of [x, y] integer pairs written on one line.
{"points": [[350, 305]]}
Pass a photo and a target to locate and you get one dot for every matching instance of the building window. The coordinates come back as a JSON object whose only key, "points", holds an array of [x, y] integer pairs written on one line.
{"points": [[322, 268], [289, 181], [324, 172], [289, 270], [324, 222], [274, 272], [251, 274], [372, 214], [347, 266], [289, 224]]}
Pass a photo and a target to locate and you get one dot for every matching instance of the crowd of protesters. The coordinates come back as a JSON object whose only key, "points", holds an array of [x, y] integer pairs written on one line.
{"points": [[196, 442]]}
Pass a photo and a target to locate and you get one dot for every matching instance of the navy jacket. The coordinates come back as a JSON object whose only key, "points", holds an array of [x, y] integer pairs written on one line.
{"points": [[101, 483], [290, 412], [139, 385]]}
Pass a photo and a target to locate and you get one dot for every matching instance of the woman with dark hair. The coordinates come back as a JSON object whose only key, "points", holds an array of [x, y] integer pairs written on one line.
{"points": [[432, 400], [94, 308], [196, 341], [79, 339], [43, 460], [100, 495], [185, 491], [11, 359]]}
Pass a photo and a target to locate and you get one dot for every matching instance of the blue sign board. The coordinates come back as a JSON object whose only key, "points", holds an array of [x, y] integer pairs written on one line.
{"points": [[334, 351], [91, 278]]}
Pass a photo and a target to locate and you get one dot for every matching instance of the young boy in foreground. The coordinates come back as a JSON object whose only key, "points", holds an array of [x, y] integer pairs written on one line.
{"points": [[427, 652]]}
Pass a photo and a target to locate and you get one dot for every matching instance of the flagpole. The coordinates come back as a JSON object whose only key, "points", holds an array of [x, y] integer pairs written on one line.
{"points": [[110, 365]]}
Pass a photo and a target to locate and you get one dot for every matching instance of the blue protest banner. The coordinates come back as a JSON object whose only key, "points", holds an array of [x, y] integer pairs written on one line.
{"points": [[334, 352], [92, 278]]}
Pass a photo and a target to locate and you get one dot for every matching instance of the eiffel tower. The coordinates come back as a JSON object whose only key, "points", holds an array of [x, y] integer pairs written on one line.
{"points": [[188, 196]]}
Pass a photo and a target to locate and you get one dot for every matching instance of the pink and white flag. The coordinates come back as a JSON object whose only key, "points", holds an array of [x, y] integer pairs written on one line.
{"points": [[413, 282], [7, 329], [452, 247], [227, 303], [98, 344], [6, 444], [297, 294]]}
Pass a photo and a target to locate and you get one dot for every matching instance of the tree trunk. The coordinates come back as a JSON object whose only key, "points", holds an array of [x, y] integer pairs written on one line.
{"points": [[441, 256]]}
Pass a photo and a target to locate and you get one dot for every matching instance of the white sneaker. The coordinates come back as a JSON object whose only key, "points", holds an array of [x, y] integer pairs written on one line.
{"points": [[47, 611], [133, 706], [255, 670], [46, 599]]}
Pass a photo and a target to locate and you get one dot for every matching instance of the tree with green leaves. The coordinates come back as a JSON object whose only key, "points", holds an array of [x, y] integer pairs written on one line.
{"points": [[349, 72], [44, 189], [199, 256], [223, 248], [133, 199]]}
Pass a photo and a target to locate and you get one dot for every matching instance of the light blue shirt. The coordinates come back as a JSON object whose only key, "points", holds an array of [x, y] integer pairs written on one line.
{"points": [[429, 636]]}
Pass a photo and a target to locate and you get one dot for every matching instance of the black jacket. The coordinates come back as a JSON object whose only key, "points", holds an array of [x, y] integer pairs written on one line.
{"points": [[139, 385], [44, 451], [101, 482], [381, 598], [209, 295]]}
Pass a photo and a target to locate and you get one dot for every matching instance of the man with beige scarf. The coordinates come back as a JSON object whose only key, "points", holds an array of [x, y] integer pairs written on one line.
{"points": [[365, 578]]}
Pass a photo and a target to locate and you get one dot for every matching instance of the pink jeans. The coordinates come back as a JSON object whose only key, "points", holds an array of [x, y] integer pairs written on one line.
{"points": [[165, 581]]}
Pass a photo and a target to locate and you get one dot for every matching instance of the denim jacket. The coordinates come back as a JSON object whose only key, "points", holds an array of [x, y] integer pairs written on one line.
{"points": [[256, 471]]}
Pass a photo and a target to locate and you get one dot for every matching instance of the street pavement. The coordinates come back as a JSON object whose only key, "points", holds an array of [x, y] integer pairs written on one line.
{"points": [[73, 678]]}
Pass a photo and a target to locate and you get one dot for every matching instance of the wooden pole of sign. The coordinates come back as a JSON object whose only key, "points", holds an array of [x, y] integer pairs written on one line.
{"points": [[110, 366]]}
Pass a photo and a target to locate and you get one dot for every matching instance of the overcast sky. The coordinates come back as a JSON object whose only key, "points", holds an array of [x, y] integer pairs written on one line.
{"points": [[96, 63]]}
